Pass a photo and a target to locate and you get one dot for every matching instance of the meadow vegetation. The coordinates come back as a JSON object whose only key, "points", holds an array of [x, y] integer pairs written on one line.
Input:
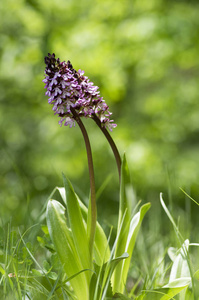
{"points": [[143, 55]]}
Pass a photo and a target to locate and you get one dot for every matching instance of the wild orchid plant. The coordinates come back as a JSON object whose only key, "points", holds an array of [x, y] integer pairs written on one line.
{"points": [[92, 270], [81, 244]]}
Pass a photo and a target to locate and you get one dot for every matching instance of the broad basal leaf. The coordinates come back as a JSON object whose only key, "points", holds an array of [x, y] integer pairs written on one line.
{"points": [[101, 247], [65, 247]]}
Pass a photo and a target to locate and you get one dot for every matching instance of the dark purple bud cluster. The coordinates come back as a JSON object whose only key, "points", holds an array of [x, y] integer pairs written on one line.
{"points": [[68, 88]]}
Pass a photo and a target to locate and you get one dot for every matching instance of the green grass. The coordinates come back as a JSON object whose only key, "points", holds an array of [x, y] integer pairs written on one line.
{"points": [[30, 268]]}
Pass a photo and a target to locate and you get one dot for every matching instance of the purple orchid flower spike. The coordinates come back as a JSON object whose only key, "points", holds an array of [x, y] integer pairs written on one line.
{"points": [[68, 88]]}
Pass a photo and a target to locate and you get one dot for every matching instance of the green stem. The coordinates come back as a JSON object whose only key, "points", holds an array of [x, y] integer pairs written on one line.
{"points": [[92, 179], [111, 143]]}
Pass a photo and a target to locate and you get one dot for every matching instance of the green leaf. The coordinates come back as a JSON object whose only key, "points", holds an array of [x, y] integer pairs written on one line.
{"points": [[2, 270], [196, 274], [179, 282], [77, 225], [92, 287], [46, 266], [126, 201], [128, 228], [121, 272], [132, 235], [73, 276], [36, 272], [166, 292], [104, 273], [64, 245], [125, 210], [170, 217], [172, 252], [180, 267], [101, 247]]}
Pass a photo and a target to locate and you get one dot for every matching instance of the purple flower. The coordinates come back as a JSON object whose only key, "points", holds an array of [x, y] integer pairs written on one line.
{"points": [[68, 88]]}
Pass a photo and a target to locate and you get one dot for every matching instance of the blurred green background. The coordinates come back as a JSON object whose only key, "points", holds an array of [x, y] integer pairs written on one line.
{"points": [[143, 55]]}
